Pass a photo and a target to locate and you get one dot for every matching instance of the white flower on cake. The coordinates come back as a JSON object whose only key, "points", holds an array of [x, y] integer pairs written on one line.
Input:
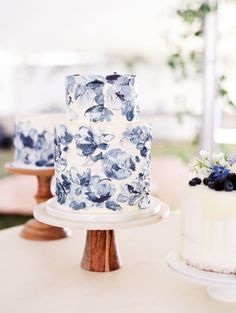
{"points": [[205, 154], [202, 164], [219, 158]]}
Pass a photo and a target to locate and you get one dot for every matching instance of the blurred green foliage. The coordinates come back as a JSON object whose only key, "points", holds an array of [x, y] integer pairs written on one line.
{"points": [[180, 62]]}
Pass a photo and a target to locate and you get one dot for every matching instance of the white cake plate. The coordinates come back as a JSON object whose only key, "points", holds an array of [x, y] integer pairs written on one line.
{"points": [[154, 214], [219, 286]]}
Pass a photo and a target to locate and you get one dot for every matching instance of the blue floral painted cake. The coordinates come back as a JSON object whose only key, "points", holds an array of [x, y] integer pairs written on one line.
{"points": [[34, 139], [102, 151]]}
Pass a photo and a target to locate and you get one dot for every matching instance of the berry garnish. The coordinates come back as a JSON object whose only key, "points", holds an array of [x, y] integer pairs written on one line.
{"points": [[211, 184], [228, 186], [206, 181], [219, 184], [211, 175], [192, 183], [197, 180]]}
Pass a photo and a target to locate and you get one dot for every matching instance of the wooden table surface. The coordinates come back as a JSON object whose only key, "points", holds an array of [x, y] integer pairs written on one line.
{"points": [[38, 277]]}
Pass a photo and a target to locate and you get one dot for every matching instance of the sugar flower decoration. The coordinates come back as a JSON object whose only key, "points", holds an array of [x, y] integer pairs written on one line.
{"points": [[219, 172]]}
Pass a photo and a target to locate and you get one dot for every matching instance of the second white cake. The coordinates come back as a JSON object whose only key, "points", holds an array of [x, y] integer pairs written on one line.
{"points": [[208, 216]]}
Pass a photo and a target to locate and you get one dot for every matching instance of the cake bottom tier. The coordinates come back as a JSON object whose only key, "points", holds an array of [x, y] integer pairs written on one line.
{"points": [[104, 166], [102, 215]]}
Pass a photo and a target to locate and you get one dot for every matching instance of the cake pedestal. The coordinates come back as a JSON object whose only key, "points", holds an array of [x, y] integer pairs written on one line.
{"points": [[219, 286], [33, 229], [100, 252]]}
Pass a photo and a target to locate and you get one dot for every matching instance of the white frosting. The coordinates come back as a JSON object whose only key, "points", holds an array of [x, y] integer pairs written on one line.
{"points": [[208, 228]]}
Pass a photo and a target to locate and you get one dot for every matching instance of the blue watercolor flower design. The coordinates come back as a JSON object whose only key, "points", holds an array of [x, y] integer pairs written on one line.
{"points": [[86, 190], [70, 85], [118, 164], [128, 110], [141, 137], [90, 93], [33, 147], [98, 113], [136, 193], [122, 96], [99, 190], [91, 143], [62, 189], [62, 140]]}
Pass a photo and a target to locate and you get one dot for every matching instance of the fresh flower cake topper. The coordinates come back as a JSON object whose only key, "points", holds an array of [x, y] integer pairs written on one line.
{"points": [[219, 172]]}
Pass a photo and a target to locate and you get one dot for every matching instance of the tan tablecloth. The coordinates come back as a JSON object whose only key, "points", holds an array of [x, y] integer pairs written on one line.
{"points": [[38, 277]]}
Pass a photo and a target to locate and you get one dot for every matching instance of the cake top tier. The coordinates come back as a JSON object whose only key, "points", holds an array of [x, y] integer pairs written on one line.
{"points": [[216, 171], [95, 98]]}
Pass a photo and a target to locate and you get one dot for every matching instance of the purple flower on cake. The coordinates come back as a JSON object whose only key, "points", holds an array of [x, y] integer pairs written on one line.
{"points": [[205, 163], [118, 164], [219, 171], [232, 160], [91, 143]]}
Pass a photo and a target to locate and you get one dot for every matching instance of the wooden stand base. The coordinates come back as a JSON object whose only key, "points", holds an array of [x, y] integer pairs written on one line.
{"points": [[33, 229], [100, 253]]}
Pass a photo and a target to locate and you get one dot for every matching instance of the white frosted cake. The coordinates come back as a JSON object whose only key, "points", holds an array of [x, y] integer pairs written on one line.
{"points": [[102, 151], [208, 216], [34, 140]]}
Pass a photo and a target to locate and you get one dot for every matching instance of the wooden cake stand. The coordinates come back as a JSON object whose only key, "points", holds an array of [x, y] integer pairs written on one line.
{"points": [[100, 252], [33, 229]]}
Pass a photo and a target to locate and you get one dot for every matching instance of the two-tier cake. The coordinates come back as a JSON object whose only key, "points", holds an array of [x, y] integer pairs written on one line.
{"points": [[208, 216], [102, 150]]}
